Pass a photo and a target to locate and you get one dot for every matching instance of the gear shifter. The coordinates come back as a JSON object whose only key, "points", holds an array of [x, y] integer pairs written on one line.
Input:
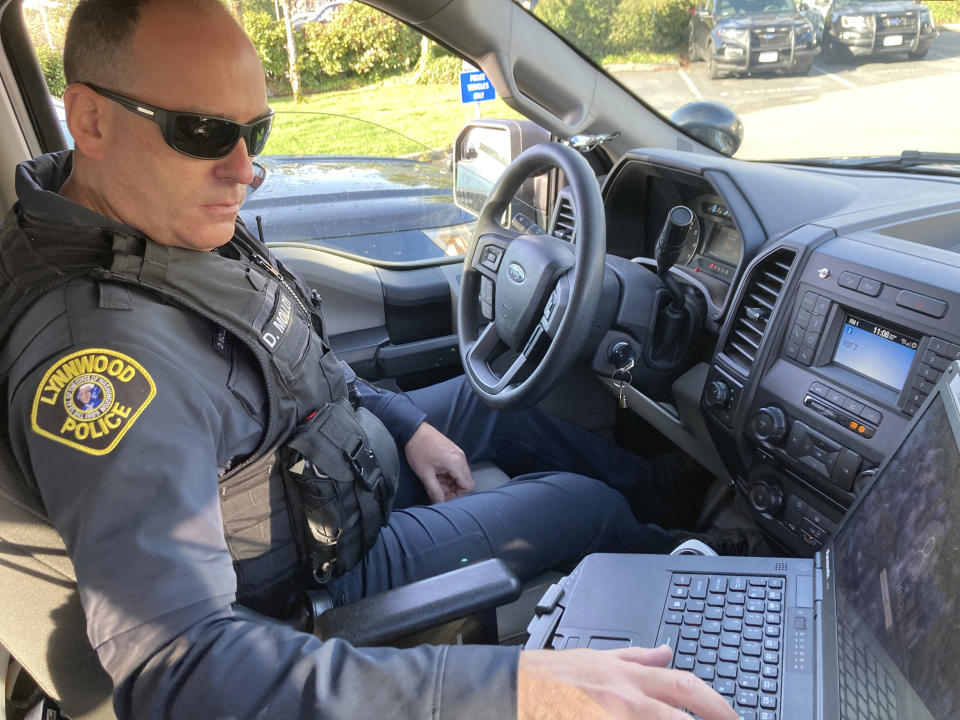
{"points": [[669, 245], [678, 319]]}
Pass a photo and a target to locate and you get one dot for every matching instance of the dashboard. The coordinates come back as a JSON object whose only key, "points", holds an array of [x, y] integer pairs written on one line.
{"points": [[637, 200], [833, 301]]}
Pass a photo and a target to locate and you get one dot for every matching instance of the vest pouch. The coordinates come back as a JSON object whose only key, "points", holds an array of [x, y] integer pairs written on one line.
{"points": [[340, 469]]}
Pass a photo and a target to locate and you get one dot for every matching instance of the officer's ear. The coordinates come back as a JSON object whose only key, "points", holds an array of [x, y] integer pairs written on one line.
{"points": [[88, 119]]}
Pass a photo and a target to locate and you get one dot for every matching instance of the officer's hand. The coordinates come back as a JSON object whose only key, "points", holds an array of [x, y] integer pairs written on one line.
{"points": [[439, 463], [628, 683]]}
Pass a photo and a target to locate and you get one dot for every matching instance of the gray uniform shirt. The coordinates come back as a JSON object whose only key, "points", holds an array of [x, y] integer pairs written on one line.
{"points": [[142, 525]]}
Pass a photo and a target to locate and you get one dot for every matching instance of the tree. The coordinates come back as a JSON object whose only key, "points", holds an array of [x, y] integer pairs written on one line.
{"points": [[293, 69]]}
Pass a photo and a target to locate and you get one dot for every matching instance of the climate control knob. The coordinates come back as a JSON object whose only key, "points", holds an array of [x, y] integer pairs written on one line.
{"points": [[769, 424], [717, 395], [766, 497]]}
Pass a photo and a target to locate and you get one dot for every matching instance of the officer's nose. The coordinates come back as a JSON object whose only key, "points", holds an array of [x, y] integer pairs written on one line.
{"points": [[237, 166]]}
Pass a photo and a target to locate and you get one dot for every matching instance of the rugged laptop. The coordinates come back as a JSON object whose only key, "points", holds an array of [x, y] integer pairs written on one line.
{"points": [[868, 629]]}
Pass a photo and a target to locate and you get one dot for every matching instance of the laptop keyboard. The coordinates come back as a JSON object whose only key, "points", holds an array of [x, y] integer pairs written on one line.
{"points": [[867, 692], [728, 631]]}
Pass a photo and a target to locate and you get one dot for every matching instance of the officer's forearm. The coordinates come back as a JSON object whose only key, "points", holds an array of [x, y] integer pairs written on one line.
{"points": [[226, 667], [397, 411]]}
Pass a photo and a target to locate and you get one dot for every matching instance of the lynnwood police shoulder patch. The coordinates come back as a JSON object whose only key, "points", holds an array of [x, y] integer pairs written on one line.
{"points": [[89, 399]]}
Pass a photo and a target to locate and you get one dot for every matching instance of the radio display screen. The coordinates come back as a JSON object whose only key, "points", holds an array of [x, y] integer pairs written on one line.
{"points": [[880, 353]]}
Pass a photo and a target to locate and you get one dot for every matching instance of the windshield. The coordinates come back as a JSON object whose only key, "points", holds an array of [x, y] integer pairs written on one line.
{"points": [[727, 8], [808, 80]]}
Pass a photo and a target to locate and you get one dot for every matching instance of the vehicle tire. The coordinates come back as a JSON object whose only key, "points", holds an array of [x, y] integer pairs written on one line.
{"points": [[693, 52], [919, 54], [712, 70], [833, 54]]}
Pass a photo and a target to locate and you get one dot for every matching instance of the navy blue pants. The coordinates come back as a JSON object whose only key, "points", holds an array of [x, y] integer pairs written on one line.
{"points": [[565, 500]]}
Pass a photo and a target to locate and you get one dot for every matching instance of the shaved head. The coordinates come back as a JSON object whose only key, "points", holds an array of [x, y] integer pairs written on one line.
{"points": [[99, 37], [185, 56]]}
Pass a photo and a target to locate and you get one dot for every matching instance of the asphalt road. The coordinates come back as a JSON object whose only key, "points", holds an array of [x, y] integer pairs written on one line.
{"points": [[875, 106]]}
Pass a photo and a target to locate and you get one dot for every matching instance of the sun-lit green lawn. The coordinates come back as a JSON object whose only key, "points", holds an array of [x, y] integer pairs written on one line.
{"points": [[352, 121]]}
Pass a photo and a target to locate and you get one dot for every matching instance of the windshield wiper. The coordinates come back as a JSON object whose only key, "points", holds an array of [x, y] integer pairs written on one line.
{"points": [[908, 160]]}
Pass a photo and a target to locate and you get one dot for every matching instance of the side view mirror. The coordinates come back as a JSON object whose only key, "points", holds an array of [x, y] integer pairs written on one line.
{"points": [[712, 123], [482, 151], [259, 175]]}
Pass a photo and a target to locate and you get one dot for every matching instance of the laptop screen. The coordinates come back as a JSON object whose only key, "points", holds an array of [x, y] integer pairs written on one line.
{"points": [[897, 558]]}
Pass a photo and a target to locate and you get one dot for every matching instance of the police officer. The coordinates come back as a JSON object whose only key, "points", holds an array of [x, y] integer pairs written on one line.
{"points": [[145, 401]]}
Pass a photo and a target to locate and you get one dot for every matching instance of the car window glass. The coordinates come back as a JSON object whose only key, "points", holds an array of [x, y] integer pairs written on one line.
{"points": [[362, 163], [809, 80]]}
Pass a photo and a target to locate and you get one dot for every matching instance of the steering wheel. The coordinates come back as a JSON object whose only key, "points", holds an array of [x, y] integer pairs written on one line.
{"points": [[535, 295]]}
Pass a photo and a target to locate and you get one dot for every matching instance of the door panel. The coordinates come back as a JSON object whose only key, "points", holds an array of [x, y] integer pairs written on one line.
{"points": [[389, 324]]}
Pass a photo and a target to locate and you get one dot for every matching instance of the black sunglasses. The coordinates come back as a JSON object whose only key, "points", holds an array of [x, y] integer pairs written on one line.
{"points": [[201, 136]]}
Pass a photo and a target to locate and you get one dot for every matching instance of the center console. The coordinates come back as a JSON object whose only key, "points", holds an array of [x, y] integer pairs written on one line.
{"points": [[822, 364]]}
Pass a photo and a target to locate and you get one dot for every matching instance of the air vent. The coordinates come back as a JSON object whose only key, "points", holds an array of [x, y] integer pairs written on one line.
{"points": [[565, 226], [756, 306]]}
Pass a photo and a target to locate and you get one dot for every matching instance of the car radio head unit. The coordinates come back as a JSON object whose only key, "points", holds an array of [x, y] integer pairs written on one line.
{"points": [[881, 353]]}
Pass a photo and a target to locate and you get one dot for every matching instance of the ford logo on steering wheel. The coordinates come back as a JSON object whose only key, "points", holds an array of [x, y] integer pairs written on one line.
{"points": [[516, 273]]}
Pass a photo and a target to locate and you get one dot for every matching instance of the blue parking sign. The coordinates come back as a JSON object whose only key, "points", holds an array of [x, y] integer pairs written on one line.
{"points": [[476, 87]]}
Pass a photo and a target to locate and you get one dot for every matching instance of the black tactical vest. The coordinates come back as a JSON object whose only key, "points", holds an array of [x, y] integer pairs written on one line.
{"points": [[250, 296]]}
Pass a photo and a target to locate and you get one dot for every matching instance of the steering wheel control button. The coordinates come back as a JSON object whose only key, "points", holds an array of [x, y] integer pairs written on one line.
{"points": [[848, 280], [921, 304], [490, 258]]}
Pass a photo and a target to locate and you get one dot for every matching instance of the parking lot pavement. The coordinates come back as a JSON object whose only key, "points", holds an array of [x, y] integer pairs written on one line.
{"points": [[869, 107]]}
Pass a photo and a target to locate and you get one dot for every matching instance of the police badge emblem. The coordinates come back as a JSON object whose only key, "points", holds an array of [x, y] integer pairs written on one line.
{"points": [[89, 399]]}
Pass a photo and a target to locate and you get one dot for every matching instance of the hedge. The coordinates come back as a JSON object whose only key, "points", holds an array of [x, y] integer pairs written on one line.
{"points": [[606, 29], [360, 45], [587, 23], [945, 12], [51, 62], [651, 25]]}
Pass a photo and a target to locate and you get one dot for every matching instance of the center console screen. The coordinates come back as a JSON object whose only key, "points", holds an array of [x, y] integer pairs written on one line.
{"points": [[880, 353]]}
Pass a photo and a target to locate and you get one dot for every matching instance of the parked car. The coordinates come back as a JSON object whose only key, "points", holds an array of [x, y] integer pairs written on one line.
{"points": [[861, 28], [742, 36]]}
